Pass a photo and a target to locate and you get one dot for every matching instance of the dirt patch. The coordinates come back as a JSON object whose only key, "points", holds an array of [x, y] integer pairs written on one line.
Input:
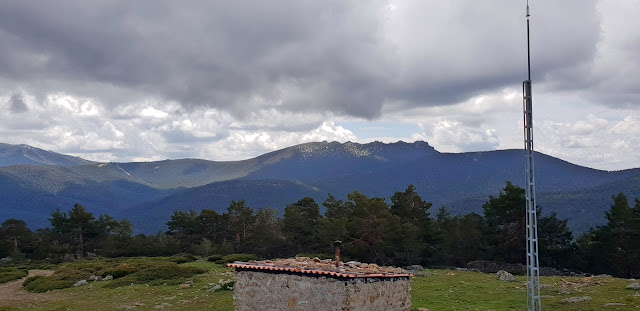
{"points": [[12, 294]]}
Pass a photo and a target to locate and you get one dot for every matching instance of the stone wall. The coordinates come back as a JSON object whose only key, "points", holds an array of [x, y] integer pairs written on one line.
{"points": [[270, 291], [493, 267], [519, 269]]}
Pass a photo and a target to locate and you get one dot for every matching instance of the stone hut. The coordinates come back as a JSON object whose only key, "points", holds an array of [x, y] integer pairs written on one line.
{"points": [[314, 284]]}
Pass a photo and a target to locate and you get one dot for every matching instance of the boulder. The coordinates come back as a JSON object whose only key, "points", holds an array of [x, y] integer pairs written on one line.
{"points": [[576, 299], [634, 286], [80, 283], [505, 276], [109, 277]]}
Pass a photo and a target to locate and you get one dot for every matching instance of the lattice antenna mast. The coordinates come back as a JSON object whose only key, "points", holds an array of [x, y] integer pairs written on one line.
{"points": [[533, 264]]}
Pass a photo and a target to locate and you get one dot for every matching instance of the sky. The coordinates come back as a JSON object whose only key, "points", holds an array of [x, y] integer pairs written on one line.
{"points": [[120, 80]]}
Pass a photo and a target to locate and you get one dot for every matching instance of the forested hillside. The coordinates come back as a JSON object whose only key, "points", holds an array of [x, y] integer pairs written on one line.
{"points": [[147, 192]]}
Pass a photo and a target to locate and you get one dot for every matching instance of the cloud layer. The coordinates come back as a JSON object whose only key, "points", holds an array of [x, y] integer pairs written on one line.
{"points": [[122, 80]]}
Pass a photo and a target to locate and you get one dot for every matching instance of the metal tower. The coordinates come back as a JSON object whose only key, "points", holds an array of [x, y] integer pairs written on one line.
{"points": [[533, 264]]}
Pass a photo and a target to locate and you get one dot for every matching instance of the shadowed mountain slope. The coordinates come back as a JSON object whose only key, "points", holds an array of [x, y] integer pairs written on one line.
{"points": [[148, 192]]}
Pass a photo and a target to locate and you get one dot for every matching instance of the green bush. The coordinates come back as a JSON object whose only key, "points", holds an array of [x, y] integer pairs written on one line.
{"points": [[64, 277], [121, 270], [214, 258], [237, 257], [182, 258], [10, 274], [228, 286], [169, 273], [41, 284]]}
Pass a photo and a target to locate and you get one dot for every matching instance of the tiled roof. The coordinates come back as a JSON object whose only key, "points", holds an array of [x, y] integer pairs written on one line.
{"points": [[323, 267]]}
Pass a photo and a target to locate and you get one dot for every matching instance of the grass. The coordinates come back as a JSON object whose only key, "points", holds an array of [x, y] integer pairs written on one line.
{"points": [[463, 290], [441, 290], [10, 274]]}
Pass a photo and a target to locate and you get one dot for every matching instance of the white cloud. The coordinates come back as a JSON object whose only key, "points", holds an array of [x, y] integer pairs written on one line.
{"points": [[152, 112], [607, 144], [256, 81]]}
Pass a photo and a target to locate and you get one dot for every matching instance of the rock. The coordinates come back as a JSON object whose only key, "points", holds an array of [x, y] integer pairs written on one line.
{"points": [[109, 277], [215, 288], [564, 291], [95, 278], [634, 286], [423, 309], [603, 276], [80, 283], [414, 268], [183, 286], [92, 255], [614, 304], [421, 274], [162, 306], [5, 260], [188, 282], [505, 276], [576, 299], [353, 264], [462, 269]]}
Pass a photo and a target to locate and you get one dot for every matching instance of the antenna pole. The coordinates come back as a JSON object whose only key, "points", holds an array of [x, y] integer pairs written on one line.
{"points": [[533, 264]]}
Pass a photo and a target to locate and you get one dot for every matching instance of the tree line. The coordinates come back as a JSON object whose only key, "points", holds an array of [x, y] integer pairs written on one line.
{"points": [[400, 233]]}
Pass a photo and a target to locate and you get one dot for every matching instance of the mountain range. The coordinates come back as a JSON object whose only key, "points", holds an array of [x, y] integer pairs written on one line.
{"points": [[33, 182]]}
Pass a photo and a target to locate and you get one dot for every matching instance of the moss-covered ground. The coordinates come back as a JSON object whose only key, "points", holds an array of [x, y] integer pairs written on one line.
{"points": [[440, 290]]}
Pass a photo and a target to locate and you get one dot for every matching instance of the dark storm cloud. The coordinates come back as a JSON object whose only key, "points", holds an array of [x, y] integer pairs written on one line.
{"points": [[17, 104], [343, 57]]}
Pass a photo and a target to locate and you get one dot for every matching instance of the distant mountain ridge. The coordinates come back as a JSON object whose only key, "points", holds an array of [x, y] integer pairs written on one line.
{"points": [[25, 154], [148, 192]]}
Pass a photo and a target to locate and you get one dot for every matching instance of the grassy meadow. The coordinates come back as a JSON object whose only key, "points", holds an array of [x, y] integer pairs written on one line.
{"points": [[155, 284]]}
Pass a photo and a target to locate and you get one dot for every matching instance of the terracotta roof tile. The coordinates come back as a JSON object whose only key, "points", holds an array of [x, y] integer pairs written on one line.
{"points": [[316, 266]]}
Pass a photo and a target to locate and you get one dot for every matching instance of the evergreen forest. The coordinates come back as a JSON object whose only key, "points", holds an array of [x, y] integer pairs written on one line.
{"points": [[403, 230]]}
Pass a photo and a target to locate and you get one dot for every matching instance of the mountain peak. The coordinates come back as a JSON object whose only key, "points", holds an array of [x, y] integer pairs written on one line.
{"points": [[24, 154], [355, 149]]}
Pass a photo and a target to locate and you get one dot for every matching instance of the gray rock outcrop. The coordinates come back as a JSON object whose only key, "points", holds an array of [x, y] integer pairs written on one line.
{"points": [[505, 276], [634, 286]]}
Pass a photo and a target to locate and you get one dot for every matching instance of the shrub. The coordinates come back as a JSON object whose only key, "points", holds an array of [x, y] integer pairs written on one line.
{"points": [[120, 271], [237, 257], [166, 273], [215, 258], [10, 274], [41, 284], [64, 277], [182, 258], [228, 285]]}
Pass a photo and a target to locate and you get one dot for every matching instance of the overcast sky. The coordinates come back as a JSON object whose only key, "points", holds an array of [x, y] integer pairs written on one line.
{"points": [[112, 80]]}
